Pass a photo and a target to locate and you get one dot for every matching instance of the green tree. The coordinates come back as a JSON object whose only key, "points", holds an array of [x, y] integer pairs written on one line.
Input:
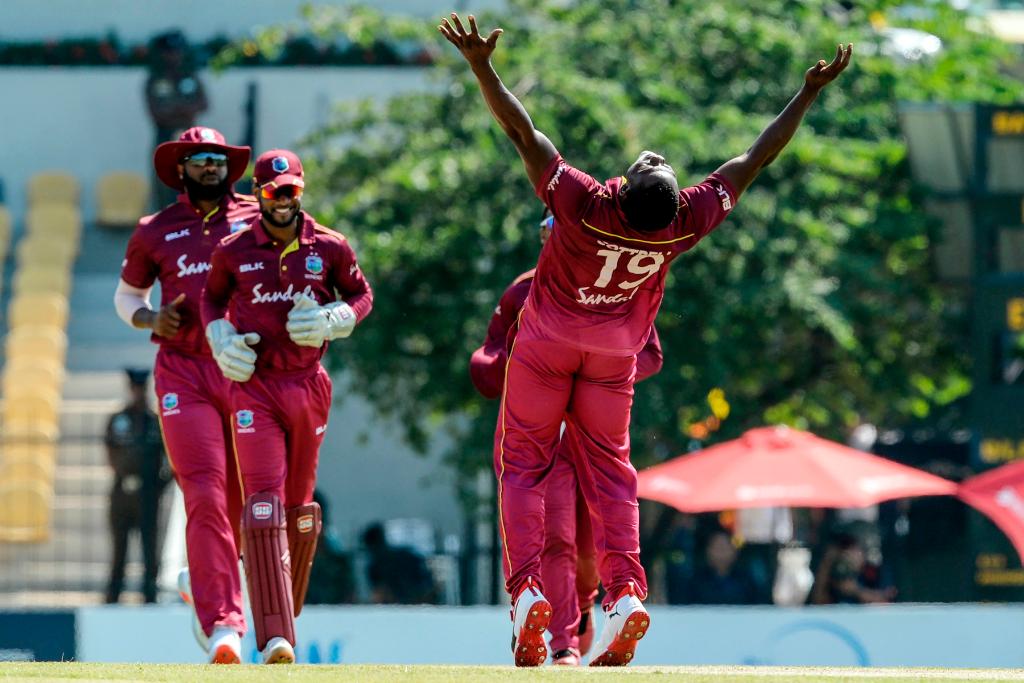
{"points": [[815, 304]]}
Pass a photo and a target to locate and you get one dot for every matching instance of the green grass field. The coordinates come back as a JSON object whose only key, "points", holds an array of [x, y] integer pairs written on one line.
{"points": [[191, 673]]}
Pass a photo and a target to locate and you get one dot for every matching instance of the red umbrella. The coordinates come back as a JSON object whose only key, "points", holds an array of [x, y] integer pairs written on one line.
{"points": [[779, 466], [999, 495]]}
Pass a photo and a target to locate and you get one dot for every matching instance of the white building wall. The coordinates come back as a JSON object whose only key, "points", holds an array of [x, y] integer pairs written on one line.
{"points": [[138, 20]]}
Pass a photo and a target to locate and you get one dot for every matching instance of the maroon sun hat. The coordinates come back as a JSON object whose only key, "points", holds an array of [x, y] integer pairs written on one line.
{"points": [[197, 139], [278, 167]]}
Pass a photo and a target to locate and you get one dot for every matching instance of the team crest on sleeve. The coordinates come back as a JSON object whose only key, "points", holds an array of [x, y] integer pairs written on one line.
{"points": [[169, 403], [237, 225], [244, 420]]}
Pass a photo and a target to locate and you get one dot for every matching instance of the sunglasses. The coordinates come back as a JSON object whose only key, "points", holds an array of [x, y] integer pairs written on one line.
{"points": [[201, 159], [289, 191]]}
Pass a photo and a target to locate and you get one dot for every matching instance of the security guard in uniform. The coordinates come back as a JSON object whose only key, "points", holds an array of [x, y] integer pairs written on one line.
{"points": [[135, 452]]}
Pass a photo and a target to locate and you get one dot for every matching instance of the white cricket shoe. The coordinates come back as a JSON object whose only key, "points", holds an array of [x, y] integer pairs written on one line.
{"points": [[185, 591], [278, 651], [624, 624], [530, 617], [225, 646]]}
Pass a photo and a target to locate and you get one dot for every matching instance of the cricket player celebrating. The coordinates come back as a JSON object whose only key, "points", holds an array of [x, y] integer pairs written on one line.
{"points": [[270, 305], [597, 290], [174, 247], [569, 558]]}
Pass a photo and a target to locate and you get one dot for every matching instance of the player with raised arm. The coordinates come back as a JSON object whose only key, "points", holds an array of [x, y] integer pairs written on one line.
{"points": [[598, 286], [270, 306], [569, 559], [174, 247]]}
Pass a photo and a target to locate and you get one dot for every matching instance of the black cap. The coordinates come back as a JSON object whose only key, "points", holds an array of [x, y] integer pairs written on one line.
{"points": [[137, 376]]}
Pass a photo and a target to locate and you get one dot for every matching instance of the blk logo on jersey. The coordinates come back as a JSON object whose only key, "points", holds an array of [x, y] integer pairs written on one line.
{"points": [[244, 419], [169, 403], [262, 510], [171, 236], [724, 196], [249, 267]]}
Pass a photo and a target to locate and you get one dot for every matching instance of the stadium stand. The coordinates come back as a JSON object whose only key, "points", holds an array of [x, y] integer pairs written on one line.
{"points": [[121, 197]]}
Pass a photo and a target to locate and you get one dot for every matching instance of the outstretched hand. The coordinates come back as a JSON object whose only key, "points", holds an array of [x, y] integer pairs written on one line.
{"points": [[821, 74], [474, 47]]}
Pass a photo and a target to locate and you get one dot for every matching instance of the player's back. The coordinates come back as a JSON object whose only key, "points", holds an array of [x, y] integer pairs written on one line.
{"points": [[599, 282]]}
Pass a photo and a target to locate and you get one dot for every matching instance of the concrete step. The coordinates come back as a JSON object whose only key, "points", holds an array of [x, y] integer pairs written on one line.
{"points": [[83, 480]]}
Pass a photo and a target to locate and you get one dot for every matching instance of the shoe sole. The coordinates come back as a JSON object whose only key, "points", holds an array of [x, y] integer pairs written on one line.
{"points": [[623, 646], [530, 648], [225, 655], [281, 656]]}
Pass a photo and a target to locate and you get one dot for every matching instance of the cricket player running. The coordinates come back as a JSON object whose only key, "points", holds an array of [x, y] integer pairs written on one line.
{"points": [[270, 305], [598, 286], [569, 558], [174, 247]]}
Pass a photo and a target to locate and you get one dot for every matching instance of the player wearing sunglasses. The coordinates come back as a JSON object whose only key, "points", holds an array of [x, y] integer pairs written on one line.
{"points": [[280, 278], [174, 247]]}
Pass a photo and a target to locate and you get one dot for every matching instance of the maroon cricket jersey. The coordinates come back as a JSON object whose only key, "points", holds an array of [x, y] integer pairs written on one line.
{"points": [[256, 280], [599, 283], [487, 365], [174, 247]]}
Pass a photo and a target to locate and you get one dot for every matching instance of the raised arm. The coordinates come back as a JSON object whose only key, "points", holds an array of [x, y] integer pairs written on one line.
{"points": [[742, 170], [533, 146]]}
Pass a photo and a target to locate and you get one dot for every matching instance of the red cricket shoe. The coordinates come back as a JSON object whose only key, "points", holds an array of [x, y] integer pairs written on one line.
{"points": [[531, 614], [586, 630], [624, 624]]}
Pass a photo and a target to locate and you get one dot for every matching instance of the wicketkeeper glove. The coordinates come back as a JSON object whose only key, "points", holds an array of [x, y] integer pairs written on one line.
{"points": [[311, 325], [231, 350]]}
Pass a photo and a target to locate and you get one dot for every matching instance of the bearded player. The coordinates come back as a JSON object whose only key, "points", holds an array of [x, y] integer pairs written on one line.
{"points": [[174, 247], [270, 307], [598, 287], [569, 558]]}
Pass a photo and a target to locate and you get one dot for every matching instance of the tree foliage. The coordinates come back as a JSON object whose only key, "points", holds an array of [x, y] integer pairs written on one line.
{"points": [[815, 304]]}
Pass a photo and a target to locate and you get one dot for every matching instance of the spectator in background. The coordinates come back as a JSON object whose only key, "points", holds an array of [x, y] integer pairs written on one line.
{"points": [[398, 575], [331, 580], [846, 576], [720, 580], [135, 452], [174, 94]]}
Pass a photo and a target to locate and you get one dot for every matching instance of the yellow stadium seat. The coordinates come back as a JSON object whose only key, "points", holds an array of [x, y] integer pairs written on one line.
{"points": [[25, 511], [28, 404], [53, 186], [38, 309], [21, 429], [33, 278], [54, 219], [36, 341], [22, 450], [5, 228], [121, 199], [51, 251], [31, 372], [27, 469]]}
